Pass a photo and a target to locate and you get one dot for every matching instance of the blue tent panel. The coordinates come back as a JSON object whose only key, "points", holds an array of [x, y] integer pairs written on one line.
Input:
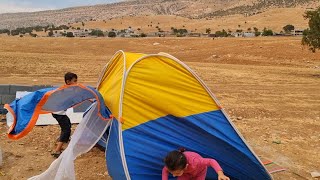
{"points": [[209, 134], [24, 108], [113, 158]]}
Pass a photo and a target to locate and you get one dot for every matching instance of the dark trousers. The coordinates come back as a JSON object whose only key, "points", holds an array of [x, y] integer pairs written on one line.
{"points": [[65, 126]]}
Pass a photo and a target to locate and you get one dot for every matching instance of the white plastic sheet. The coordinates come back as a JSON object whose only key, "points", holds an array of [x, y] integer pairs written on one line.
{"points": [[86, 135]]}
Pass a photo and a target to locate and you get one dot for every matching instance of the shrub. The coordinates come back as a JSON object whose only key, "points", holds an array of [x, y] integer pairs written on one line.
{"points": [[112, 34], [69, 34], [311, 36]]}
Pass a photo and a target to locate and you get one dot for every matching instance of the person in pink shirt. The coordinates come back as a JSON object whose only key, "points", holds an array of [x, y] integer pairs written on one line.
{"points": [[189, 166]]}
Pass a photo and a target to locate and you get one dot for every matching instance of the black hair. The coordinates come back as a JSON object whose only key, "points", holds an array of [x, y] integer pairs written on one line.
{"points": [[69, 76], [175, 160]]}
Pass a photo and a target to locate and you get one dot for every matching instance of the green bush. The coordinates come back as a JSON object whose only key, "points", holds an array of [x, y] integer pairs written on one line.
{"points": [[97, 32], [311, 36], [222, 33], [288, 28], [69, 34], [267, 32], [112, 34]]}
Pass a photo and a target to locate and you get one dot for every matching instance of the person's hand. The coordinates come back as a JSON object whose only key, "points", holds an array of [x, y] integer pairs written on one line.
{"points": [[221, 176]]}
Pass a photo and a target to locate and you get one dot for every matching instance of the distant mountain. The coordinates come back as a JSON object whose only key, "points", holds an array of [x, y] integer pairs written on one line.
{"points": [[186, 8]]}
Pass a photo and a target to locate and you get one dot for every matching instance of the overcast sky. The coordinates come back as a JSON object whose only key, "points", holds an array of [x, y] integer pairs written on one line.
{"points": [[11, 6]]}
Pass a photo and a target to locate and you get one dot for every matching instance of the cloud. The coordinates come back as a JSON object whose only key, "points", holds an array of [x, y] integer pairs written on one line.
{"points": [[11, 6]]}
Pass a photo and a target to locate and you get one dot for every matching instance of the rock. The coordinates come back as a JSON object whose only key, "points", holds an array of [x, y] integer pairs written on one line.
{"points": [[276, 142], [21, 144], [214, 56], [36, 148], [315, 174], [155, 44], [239, 118]]}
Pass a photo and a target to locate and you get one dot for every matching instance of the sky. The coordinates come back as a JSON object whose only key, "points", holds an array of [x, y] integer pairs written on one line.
{"points": [[12, 6]]}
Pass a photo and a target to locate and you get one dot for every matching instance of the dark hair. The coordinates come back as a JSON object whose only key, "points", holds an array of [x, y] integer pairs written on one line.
{"points": [[175, 160], [69, 76]]}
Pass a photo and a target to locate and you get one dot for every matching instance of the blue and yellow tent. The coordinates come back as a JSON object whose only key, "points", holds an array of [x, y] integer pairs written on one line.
{"points": [[159, 104]]}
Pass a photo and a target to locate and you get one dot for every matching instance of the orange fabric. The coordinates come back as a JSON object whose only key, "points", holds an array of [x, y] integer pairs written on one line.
{"points": [[7, 106]]}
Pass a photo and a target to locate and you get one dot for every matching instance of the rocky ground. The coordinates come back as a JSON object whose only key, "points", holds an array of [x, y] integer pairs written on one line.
{"points": [[269, 87]]}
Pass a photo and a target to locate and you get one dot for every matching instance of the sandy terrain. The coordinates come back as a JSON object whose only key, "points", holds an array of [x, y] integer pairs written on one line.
{"points": [[271, 84], [274, 19]]}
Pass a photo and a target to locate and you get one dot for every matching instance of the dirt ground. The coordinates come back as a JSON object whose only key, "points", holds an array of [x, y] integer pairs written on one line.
{"points": [[269, 86]]}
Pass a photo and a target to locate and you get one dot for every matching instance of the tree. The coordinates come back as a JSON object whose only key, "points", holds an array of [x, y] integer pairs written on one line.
{"points": [[63, 27], [97, 32], [69, 34], [288, 28], [222, 33], [208, 30], [311, 36], [2, 31], [257, 33], [38, 28], [50, 33], [112, 34], [267, 32]]}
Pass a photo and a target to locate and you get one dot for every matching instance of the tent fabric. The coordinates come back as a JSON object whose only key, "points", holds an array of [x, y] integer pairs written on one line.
{"points": [[23, 113], [86, 135], [163, 105], [158, 104]]}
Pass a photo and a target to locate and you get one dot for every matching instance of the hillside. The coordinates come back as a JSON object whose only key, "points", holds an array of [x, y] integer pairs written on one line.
{"points": [[274, 19], [200, 9]]}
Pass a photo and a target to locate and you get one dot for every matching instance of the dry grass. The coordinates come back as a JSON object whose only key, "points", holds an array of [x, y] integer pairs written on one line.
{"points": [[274, 19], [273, 83]]}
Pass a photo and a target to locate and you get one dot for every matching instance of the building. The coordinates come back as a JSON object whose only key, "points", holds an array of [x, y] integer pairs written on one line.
{"points": [[81, 33], [297, 32]]}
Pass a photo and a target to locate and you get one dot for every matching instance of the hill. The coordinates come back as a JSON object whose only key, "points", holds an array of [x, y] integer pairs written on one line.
{"points": [[189, 9]]}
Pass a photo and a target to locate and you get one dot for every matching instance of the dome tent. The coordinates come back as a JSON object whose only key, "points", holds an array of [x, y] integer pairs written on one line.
{"points": [[158, 104]]}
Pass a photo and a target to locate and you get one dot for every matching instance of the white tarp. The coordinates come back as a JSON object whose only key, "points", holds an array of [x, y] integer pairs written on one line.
{"points": [[86, 135]]}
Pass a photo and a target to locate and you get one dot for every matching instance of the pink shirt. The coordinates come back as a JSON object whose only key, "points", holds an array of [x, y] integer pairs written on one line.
{"points": [[196, 165]]}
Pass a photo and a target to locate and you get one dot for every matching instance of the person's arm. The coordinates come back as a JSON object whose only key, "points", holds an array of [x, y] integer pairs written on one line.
{"points": [[215, 165], [165, 173]]}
